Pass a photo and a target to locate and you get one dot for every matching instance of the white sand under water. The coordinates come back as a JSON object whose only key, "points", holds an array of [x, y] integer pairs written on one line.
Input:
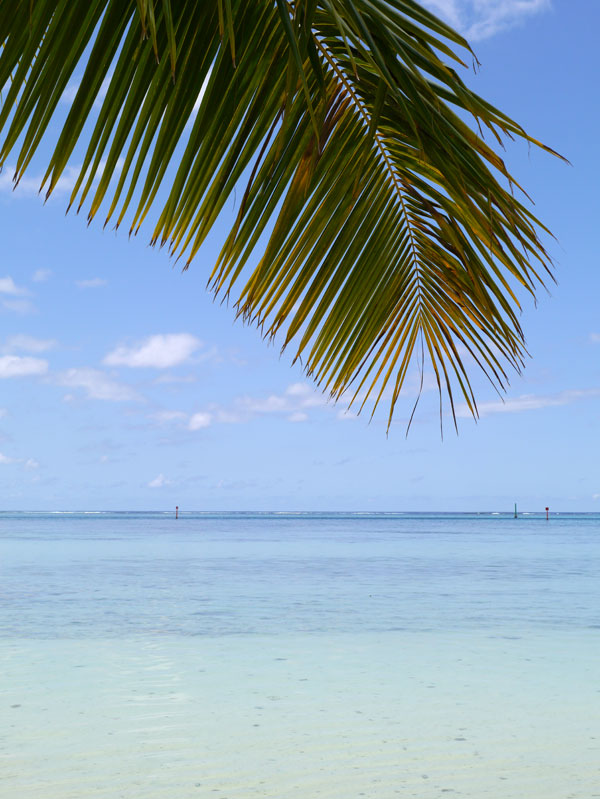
{"points": [[414, 714]]}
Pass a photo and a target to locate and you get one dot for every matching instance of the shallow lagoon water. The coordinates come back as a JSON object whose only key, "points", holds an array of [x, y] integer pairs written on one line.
{"points": [[300, 655]]}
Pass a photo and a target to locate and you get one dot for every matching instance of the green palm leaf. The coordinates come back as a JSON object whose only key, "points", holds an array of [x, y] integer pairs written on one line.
{"points": [[376, 228]]}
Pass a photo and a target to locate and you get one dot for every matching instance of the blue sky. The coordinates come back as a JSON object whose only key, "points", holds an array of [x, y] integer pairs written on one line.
{"points": [[124, 386]]}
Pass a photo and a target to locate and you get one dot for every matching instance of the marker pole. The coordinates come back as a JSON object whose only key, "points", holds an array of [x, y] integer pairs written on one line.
{"points": [[515, 510], [176, 511], [547, 509]]}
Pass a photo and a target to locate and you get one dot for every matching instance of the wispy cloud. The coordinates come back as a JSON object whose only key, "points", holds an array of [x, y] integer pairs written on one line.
{"points": [[480, 19], [97, 385], [30, 186], [294, 404], [16, 295], [156, 352], [347, 415], [529, 402], [19, 306], [595, 337], [41, 275], [165, 417], [71, 90], [298, 397], [17, 366], [29, 343], [92, 283], [28, 463], [159, 482], [298, 416]]}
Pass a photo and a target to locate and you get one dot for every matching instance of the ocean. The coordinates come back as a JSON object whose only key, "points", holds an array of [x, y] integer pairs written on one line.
{"points": [[239, 655]]}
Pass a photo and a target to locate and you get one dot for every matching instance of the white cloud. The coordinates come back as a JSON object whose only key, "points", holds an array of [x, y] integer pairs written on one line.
{"points": [[305, 395], [595, 337], [155, 352], [16, 366], [446, 9], [294, 403], [200, 420], [480, 19], [297, 397], [29, 463], [528, 402], [92, 283], [98, 385], [71, 90], [275, 403], [16, 303], [299, 390], [41, 275], [8, 286], [298, 416], [31, 186], [159, 482], [29, 343]]}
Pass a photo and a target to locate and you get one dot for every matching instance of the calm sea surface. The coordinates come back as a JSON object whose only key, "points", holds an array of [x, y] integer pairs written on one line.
{"points": [[298, 655]]}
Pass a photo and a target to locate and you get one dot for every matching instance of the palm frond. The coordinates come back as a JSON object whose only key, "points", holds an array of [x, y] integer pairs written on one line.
{"points": [[375, 224]]}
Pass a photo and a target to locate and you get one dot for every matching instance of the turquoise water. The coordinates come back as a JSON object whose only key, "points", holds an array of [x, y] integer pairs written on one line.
{"points": [[298, 655]]}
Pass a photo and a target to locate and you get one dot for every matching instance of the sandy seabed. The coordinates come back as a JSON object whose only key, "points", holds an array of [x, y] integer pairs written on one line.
{"points": [[424, 715]]}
